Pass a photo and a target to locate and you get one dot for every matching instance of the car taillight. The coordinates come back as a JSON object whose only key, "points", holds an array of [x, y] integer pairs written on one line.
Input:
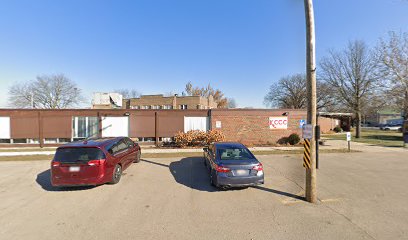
{"points": [[55, 164], [222, 169], [96, 162], [258, 167]]}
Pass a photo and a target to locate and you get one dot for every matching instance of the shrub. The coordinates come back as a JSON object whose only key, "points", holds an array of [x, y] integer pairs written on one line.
{"points": [[181, 139], [283, 141], [293, 139], [214, 136], [195, 138], [337, 129]]}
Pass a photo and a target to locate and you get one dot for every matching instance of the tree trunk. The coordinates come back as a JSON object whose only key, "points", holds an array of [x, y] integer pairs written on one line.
{"points": [[358, 125], [405, 110]]}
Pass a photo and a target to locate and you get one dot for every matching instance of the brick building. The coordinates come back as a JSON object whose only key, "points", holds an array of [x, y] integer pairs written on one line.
{"points": [[173, 102], [31, 127]]}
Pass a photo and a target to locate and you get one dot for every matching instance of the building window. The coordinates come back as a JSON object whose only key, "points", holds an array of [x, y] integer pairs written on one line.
{"points": [[33, 141], [5, 140], [19, 140], [183, 106], [146, 139], [167, 107], [51, 140], [155, 107], [134, 107], [84, 127], [64, 140]]}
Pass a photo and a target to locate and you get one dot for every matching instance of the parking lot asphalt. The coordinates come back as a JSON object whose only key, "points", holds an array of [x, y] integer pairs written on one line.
{"points": [[362, 196]]}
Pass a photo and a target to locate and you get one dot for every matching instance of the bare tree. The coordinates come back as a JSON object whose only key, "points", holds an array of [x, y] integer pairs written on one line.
{"points": [[222, 102], [393, 68], [128, 93], [232, 103], [47, 91], [290, 92], [351, 73]]}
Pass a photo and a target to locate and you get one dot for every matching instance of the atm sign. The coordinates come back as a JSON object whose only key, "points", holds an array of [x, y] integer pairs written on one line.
{"points": [[278, 122]]}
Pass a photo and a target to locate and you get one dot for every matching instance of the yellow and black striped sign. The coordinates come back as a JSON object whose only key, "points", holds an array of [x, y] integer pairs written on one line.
{"points": [[306, 154]]}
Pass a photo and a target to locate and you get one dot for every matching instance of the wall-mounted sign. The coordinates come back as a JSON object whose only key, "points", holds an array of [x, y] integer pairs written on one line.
{"points": [[302, 122], [217, 124], [278, 122]]}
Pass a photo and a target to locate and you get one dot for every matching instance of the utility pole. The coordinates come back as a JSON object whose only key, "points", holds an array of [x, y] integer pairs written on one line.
{"points": [[311, 192]]}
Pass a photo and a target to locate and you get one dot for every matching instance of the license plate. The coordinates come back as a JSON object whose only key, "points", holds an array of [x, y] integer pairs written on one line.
{"points": [[74, 169], [241, 172]]}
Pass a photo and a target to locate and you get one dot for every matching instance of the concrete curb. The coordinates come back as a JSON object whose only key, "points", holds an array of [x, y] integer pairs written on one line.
{"points": [[149, 150], [334, 145]]}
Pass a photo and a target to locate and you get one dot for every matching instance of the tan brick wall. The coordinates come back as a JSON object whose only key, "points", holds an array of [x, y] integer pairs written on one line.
{"points": [[327, 124], [252, 127]]}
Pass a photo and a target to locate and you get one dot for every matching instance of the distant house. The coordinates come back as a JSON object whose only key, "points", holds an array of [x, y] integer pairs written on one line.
{"points": [[389, 117]]}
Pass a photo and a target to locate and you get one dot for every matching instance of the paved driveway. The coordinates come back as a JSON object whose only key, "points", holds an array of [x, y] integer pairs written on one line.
{"points": [[363, 196]]}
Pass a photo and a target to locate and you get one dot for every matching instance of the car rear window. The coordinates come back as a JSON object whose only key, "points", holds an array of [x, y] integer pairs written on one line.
{"points": [[78, 154], [234, 154]]}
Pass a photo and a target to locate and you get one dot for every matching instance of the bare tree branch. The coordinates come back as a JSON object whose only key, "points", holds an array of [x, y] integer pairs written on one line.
{"points": [[128, 93], [222, 102], [47, 91], [393, 68], [351, 74], [290, 92]]}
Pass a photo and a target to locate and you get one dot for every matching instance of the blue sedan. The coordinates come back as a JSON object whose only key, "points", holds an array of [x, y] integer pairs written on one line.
{"points": [[232, 165]]}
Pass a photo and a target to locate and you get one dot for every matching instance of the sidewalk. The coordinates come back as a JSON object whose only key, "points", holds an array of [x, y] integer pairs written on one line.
{"points": [[328, 145], [362, 147]]}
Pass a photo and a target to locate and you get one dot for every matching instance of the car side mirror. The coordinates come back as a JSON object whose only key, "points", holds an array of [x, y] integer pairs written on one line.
{"points": [[135, 144]]}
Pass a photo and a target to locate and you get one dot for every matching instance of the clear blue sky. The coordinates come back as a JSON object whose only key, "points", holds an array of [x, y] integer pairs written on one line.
{"points": [[156, 46]]}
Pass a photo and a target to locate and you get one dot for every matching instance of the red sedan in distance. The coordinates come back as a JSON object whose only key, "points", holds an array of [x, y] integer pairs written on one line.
{"points": [[93, 162]]}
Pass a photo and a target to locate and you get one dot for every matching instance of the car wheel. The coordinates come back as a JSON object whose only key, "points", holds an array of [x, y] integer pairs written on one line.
{"points": [[117, 174], [137, 157]]}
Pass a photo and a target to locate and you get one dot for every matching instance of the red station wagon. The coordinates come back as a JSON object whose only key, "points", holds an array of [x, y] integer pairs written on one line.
{"points": [[93, 162]]}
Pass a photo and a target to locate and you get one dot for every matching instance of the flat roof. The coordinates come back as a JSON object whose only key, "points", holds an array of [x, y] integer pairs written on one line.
{"points": [[334, 114]]}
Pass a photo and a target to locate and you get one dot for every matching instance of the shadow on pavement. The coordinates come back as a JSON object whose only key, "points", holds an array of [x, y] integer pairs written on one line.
{"points": [[44, 180], [280, 193], [191, 172]]}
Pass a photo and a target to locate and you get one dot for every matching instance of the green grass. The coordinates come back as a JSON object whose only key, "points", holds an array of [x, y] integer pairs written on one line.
{"points": [[374, 137], [38, 149]]}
